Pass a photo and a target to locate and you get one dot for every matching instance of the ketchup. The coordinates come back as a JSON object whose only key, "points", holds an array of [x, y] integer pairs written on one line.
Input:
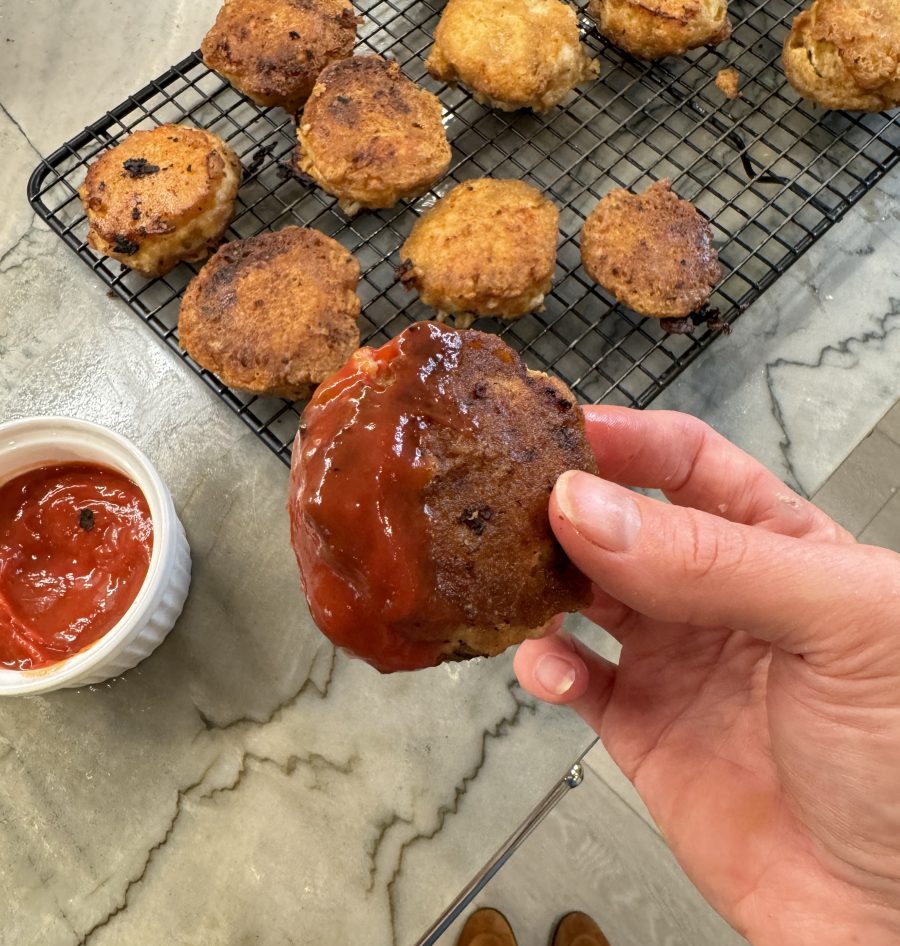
{"points": [[75, 545], [365, 565]]}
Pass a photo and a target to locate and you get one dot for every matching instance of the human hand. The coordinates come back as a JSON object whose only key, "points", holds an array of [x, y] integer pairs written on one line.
{"points": [[756, 704]]}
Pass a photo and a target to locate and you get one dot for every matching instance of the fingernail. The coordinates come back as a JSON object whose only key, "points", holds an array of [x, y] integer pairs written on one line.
{"points": [[555, 674], [603, 513]]}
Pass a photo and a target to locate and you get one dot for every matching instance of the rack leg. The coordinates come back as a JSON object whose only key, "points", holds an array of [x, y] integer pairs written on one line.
{"points": [[572, 779]]}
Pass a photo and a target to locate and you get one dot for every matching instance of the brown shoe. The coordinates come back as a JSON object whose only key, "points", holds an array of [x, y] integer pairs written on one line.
{"points": [[486, 928], [578, 929]]}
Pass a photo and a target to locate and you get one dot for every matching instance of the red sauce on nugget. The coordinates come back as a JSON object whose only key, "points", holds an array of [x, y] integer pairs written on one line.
{"points": [[359, 533], [75, 546]]}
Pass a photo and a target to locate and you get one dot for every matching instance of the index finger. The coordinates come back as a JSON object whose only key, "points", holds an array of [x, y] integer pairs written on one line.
{"points": [[697, 467]]}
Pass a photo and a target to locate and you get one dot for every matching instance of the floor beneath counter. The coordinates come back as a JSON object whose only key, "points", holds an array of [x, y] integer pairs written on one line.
{"points": [[863, 493], [598, 852]]}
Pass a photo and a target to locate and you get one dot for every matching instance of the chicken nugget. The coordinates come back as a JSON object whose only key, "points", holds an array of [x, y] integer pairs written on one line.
{"points": [[487, 248], [652, 251], [652, 29], [846, 54], [512, 54], [418, 500], [274, 314], [370, 137], [160, 197], [274, 50]]}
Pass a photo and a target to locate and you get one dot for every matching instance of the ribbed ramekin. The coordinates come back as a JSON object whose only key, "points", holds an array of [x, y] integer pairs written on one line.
{"points": [[41, 441]]}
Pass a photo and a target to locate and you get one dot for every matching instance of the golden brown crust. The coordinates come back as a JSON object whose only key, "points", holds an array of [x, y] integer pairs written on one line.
{"points": [[652, 29], [274, 314], [487, 248], [160, 197], [494, 554], [370, 136], [845, 54], [728, 82], [511, 53], [652, 251], [274, 50]]}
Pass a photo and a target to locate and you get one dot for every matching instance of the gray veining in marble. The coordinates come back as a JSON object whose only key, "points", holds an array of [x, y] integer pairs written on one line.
{"points": [[246, 784]]}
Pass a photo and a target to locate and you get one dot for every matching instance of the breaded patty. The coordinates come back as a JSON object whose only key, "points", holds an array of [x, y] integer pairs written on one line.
{"points": [[419, 492], [512, 54], [274, 314], [370, 136], [652, 29], [274, 50], [652, 251], [846, 54], [487, 248], [160, 197]]}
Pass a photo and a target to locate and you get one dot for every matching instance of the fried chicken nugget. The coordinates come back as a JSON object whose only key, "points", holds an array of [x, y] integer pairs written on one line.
{"points": [[512, 54], [846, 54], [652, 251], [652, 29], [487, 248], [274, 50], [418, 499], [274, 314], [160, 197], [370, 137]]}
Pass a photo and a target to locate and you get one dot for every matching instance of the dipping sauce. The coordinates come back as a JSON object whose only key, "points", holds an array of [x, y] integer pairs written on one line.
{"points": [[75, 546]]}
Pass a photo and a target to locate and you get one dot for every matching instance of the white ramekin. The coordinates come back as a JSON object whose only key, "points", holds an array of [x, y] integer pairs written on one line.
{"points": [[39, 441]]}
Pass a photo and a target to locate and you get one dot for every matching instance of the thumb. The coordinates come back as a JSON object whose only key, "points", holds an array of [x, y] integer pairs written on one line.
{"points": [[677, 564]]}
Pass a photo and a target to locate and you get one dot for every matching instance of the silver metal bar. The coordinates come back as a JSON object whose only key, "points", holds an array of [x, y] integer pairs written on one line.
{"points": [[572, 779]]}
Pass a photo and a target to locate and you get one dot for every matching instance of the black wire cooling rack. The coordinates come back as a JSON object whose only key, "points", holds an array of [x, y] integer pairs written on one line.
{"points": [[771, 172]]}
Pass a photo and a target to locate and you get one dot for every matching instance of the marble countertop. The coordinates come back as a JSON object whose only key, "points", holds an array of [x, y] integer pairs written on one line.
{"points": [[246, 784]]}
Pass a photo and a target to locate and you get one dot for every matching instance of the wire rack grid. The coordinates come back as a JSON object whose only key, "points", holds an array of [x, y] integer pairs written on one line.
{"points": [[770, 171]]}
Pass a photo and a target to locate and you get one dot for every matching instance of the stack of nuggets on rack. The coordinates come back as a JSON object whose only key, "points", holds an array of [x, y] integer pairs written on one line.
{"points": [[370, 137], [461, 442]]}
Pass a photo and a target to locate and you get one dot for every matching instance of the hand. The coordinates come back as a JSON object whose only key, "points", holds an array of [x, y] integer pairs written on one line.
{"points": [[756, 703]]}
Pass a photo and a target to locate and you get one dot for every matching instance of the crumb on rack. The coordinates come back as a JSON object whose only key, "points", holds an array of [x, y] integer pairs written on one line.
{"points": [[727, 82], [677, 326], [711, 317], [259, 156]]}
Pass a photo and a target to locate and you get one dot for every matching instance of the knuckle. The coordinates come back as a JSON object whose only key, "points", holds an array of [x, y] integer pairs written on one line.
{"points": [[709, 550], [693, 435]]}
